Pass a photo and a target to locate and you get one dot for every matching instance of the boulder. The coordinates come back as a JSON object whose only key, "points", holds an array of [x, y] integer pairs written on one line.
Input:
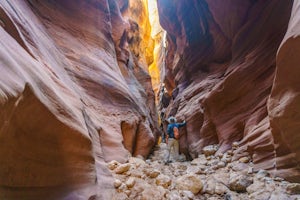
{"points": [[122, 168], [163, 180], [189, 182], [239, 183]]}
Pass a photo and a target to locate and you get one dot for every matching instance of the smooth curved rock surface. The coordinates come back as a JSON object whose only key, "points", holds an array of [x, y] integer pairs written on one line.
{"points": [[284, 102], [68, 83], [220, 68]]}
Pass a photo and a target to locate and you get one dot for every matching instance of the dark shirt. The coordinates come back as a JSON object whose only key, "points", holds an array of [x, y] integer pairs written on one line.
{"points": [[171, 126]]}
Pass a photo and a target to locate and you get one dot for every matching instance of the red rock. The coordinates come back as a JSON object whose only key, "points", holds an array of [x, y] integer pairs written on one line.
{"points": [[221, 64], [68, 81]]}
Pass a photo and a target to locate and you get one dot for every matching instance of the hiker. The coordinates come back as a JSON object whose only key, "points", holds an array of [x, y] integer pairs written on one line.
{"points": [[172, 138]]}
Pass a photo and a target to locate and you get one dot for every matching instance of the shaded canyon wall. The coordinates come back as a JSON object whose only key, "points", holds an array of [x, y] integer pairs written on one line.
{"points": [[74, 93], [225, 78]]}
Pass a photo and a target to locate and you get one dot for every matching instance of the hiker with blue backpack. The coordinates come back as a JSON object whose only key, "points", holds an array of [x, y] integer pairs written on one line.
{"points": [[172, 138]]}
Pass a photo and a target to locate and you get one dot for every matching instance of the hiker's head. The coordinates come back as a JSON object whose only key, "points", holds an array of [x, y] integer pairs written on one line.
{"points": [[172, 120]]}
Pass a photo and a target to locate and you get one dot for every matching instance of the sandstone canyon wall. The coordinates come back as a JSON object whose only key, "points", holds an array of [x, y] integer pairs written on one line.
{"points": [[227, 81], [74, 93]]}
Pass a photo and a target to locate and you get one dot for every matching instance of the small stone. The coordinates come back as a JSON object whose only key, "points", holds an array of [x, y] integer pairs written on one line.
{"points": [[210, 186], [137, 173], [235, 145], [199, 161], [256, 186], [188, 194], [117, 183], [127, 192], [174, 195], [189, 182], [154, 173], [163, 180], [261, 194], [280, 196], [244, 159], [293, 188], [221, 164], [220, 155], [262, 173], [230, 152], [226, 158], [113, 164], [136, 161], [153, 193], [250, 170], [122, 168], [230, 165], [130, 182], [278, 179], [240, 167], [200, 171], [214, 167], [210, 150], [220, 189], [122, 187], [239, 183]]}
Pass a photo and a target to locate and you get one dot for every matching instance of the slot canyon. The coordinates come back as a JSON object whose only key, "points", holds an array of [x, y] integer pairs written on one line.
{"points": [[87, 86]]}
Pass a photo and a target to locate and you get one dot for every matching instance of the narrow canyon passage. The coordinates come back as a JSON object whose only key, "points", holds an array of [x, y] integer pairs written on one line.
{"points": [[86, 88]]}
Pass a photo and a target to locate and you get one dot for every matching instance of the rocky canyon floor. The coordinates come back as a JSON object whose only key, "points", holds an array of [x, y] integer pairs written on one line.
{"points": [[206, 177]]}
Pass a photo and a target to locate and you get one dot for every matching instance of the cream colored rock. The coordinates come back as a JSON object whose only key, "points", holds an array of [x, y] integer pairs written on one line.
{"points": [[220, 155], [250, 170], [256, 186], [262, 174], [189, 182], [127, 192], [122, 168], [136, 161], [163, 180], [153, 173], [235, 145], [130, 182], [260, 194], [230, 152], [122, 187], [117, 183], [199, 161], [239, 183], [210, 186], [137, 173], [153, 193], [244, 159], [293, 188], [187, 194], [281, 196], [174, 194], [210, 150], [113, 164], [220, 189]]}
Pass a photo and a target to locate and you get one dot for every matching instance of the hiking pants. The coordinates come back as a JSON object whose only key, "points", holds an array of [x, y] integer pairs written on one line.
{"points": [[173, 144]]}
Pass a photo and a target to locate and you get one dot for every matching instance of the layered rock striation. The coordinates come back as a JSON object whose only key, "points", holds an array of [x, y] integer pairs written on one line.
{"points": [[74, 93], [228, 82]]}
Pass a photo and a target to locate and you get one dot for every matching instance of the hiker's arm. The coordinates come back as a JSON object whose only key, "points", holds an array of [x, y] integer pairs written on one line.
{"points": [[182, 124]]}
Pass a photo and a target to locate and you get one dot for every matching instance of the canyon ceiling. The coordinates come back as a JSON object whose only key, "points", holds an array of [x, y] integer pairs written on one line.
{"points": [[75, 89]]}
